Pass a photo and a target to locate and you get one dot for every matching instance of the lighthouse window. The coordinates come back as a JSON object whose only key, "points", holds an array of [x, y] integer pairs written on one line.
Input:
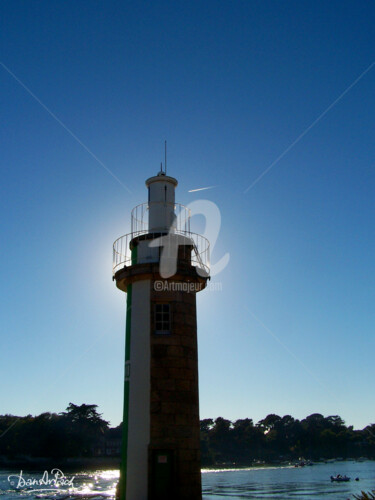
{"points": [[162, 318]]}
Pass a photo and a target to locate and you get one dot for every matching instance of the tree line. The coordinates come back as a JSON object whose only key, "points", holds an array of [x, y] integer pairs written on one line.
{"points": [[77, 432], [276, 438], [81, 431]]}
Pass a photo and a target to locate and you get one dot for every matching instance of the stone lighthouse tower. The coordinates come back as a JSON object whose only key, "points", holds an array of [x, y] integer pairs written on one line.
{"points": [[161, 265]]}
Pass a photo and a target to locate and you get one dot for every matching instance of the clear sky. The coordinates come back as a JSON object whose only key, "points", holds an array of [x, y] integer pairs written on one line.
{"points": [[231, 85]]}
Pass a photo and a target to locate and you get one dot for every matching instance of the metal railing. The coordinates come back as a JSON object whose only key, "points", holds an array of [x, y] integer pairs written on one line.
{"points": [[200, 255], [139, 219]]}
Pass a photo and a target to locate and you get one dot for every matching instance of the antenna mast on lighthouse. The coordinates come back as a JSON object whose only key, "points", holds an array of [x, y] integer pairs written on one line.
{"points": [[165, 157]]}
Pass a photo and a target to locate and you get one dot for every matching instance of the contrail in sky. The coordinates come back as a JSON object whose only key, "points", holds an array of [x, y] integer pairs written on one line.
{"points": [[200, 189]]}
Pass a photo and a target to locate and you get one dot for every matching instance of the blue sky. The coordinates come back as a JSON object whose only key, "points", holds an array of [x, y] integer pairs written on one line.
{"points": [[230, 85]]}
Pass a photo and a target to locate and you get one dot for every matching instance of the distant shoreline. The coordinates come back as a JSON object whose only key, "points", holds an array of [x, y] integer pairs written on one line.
{"points": [[74, 463], [94, 463]]}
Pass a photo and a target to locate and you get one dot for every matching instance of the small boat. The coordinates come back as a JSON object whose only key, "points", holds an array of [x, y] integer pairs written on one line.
{"points": [[340, 479], [302, 462]]}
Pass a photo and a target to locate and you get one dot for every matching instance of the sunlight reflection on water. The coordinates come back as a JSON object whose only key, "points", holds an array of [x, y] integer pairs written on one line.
{"points": [[93, 485]]}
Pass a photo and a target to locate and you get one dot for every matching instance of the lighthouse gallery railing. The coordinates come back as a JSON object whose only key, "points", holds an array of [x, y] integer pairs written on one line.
{"points": [[200, 256]]}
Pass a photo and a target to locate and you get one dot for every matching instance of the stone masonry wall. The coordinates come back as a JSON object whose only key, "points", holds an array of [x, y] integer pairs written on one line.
{"points": [[174, 391]]}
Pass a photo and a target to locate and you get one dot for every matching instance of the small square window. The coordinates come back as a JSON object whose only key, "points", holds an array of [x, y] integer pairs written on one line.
{"points": [[162, 318]]}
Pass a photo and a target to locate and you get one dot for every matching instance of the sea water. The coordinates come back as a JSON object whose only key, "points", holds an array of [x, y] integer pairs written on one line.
{"points": [[309, 482]]}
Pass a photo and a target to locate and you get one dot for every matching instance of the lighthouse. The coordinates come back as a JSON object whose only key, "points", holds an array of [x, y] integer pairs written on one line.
{"points": [[161, 265]]}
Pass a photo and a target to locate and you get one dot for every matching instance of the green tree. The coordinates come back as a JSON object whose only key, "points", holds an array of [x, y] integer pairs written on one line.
{"points": [[84, 427]]}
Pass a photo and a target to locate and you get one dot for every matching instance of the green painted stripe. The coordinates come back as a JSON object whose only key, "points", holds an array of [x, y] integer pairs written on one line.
{"points": [[134, 255], [125, 420]]}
